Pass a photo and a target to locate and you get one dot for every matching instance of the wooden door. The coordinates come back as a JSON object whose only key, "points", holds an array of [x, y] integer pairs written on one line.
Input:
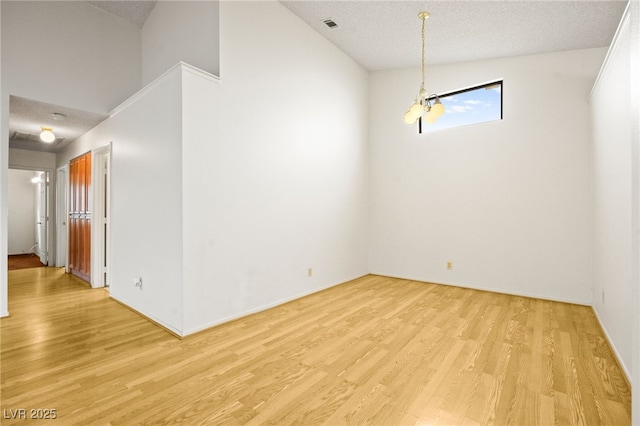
{"points": [[80, 216]]}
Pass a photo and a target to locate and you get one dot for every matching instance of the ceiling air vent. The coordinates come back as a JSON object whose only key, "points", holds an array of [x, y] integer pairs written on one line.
{"points": [[330, 23]]}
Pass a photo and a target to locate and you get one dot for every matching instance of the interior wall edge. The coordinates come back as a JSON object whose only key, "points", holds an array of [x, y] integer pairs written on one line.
{"points": [[488, 289], [168, 328], [616, 353], [624, 21], [635, 146], [268, 306]]}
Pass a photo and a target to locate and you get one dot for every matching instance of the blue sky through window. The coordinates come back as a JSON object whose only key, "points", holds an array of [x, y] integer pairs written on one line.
{"points": [[469, 107]]}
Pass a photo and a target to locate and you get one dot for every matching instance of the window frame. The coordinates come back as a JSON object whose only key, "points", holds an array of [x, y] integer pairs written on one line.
{"points": [[468, 89]]}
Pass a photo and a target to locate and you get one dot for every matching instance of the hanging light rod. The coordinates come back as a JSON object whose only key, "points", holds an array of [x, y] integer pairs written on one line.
{"points": [[427, 107]]}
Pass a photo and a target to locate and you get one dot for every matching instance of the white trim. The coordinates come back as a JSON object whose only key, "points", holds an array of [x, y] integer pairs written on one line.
{"points": [[474, 86], [635, 166], [179, 67], [613, 347], [99, 247], [267, 306], [624, 21], [158, 321], [489, 289], [200, 73], [52, 209], [62, 215]]}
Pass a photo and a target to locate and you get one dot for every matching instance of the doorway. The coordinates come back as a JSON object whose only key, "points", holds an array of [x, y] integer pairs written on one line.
{"points": [[28, 219], [84, 200]]}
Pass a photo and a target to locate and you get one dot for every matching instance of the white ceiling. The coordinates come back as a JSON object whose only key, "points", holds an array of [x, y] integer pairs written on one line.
{"points": [[26, 117], [135, 12], [384, 35]]}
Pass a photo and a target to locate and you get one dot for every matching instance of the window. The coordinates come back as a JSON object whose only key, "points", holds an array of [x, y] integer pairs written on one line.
{"points": [[477, 104]]}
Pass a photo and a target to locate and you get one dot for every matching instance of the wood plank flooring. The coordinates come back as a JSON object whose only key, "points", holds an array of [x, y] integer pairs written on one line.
{"points": [[23, 261], [375, 350]]}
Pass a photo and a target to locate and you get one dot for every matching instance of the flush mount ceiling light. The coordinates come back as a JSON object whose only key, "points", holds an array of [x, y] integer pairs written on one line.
{"points": [[47, 135], [425, 107], [58, 116]]}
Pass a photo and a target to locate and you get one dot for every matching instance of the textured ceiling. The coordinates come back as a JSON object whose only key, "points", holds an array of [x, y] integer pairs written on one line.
{"points": [[135, 12], [383, 35], [26, 117], [386, 34]]}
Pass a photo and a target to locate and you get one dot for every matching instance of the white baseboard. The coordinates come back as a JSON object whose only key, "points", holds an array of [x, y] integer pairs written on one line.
{"points": [[266, 306], [491, 289], [616, 354], [156, 321]]}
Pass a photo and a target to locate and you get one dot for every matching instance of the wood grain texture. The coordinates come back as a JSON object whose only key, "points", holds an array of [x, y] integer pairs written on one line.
{"points": [[375, 350], [23, 261]]}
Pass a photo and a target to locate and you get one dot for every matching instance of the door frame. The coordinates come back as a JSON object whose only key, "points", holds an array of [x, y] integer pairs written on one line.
{"points": [[51, 211], [62, 216], [100, 226], [44, 208]]}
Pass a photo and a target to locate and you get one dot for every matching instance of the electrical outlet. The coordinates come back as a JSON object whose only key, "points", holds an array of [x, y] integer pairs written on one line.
{"points": [[310, 272], [449, 265], [137, 281]]}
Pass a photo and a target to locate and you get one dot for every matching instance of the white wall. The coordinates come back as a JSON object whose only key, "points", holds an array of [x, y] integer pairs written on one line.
{"points": [[4, 176], [44, 161], [69, 53], [507, 202], [221, 218], [228, 222], [634, 11], [186, 31], [31, 160], [146, 206], [93, 63], [613, 218], [275, 173], [22, 218]]}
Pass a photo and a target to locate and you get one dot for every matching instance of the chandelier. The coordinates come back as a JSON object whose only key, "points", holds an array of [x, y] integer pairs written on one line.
{"points": [[425, 107]]}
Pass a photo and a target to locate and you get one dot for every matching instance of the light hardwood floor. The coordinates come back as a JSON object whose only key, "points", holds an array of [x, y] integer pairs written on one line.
{"points": [[375, 350]]}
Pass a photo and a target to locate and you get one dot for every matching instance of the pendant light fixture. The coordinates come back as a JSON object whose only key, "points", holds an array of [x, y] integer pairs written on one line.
{"points": [[47, 135], [425, 107]]}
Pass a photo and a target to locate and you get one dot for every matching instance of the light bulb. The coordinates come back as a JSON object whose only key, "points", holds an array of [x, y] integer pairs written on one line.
{"points": [[416, 110], [437, 108], [430, 117], [408, 118], [47, 135]]}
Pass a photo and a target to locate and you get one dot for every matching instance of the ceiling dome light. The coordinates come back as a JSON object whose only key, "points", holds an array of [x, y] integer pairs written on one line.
{"points": [[47, 135]]}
